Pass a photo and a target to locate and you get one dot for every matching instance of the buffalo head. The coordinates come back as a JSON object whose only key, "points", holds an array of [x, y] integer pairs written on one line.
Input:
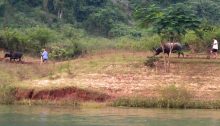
{"points": [[157, 51], [8, 55]]}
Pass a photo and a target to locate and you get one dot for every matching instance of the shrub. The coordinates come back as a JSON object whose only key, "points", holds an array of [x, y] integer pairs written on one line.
{"points": [[29, 40], [175, 96], [150, 41], [13, 39], [60, 51], [40, 37], [96, 44], [68, 31], [201, 44], [120, 30], [196, 43], [151, 61]]}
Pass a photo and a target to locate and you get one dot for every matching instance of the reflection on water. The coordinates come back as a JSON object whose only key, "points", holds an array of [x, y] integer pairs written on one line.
{"points": [[67, 116]]}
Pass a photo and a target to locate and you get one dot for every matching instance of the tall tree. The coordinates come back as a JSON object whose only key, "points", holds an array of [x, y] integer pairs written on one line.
{"points": [[59, 7], [207, 10], [170, 23]]}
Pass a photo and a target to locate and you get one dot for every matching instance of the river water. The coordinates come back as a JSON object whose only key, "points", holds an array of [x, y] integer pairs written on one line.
{"points": [[67, 116]]}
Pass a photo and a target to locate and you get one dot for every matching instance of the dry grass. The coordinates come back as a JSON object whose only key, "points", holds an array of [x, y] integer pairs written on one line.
{"points": [[20, 72], [119, 73]]}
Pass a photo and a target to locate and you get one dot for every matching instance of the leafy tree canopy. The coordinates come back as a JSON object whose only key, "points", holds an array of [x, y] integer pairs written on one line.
{"points": [[170, 23]]}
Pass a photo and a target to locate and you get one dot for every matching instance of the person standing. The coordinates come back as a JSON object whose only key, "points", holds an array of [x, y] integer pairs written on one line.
{"points": [[215, 48], [44, 56]]}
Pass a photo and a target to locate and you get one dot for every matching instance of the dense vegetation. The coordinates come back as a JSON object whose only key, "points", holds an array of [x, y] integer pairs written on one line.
{"points": [[69, 28]]}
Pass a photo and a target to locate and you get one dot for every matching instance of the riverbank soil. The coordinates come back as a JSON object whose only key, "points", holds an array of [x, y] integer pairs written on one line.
{"points": [[115, 74]]}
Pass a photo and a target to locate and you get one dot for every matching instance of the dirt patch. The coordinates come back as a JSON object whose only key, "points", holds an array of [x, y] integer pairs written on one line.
{"points": [[19, 62], [70, 93]]}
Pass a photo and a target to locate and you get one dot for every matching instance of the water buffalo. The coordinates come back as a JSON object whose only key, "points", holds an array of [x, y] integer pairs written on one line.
{"points": [[176, 48], [14, 55]]}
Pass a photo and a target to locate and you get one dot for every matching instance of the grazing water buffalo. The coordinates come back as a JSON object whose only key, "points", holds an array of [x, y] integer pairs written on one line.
{"points": [[176, 48], [14, 55]]}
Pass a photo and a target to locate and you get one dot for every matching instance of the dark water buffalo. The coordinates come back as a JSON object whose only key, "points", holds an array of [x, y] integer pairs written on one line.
{"points": [[14, 55], [176, 48]]}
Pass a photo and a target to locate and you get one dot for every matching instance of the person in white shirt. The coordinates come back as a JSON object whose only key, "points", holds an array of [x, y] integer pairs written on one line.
{"points": [[44, 56], [214, 48]]}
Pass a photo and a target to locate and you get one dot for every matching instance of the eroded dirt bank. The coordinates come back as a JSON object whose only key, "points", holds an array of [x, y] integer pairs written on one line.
{"points": [[68, 93]]}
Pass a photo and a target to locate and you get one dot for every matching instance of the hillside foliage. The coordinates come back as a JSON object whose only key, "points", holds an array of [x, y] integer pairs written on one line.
{"points": [[69, 28]]}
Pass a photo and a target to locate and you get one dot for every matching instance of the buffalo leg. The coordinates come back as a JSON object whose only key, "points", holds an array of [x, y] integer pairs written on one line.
{"points": [[181, 54], [168, 54]]}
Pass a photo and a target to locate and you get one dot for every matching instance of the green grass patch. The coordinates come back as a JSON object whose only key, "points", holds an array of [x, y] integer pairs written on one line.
{"points": [[195, 61], [7, 94], [171, 97], [165, 103], [104, 62]]}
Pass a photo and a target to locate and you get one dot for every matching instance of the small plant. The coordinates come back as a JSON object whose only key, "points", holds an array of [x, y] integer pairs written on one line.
{"points": [[151, 61], [7, 94], [173, 92], [175, 96], [65, 67]]}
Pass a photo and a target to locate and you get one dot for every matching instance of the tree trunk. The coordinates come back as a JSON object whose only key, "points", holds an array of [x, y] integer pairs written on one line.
{"points": [[171, 45], [45, 3], [164, 56], [60, 14], [45, 7]]}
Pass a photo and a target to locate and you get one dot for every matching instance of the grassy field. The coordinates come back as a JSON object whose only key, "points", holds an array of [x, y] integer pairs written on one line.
{"points": [[113, 75]]}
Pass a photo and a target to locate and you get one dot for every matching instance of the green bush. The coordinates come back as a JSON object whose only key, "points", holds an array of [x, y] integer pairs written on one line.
{"points": [[145, 43], [92, 44], [120, 30], [26, 40], [66, 50], [13, 39], [196, 43], [70, 32], [58, 53], [40, 37], [202, 43], [150, 41], [173, 96], [150, 61]]}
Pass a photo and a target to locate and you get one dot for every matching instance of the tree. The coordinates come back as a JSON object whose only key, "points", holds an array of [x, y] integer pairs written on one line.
{"points": [[59, 7], [207, 10], [175, 22], [56, 7], [103, 20], [170, 23], [161, 3]]}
